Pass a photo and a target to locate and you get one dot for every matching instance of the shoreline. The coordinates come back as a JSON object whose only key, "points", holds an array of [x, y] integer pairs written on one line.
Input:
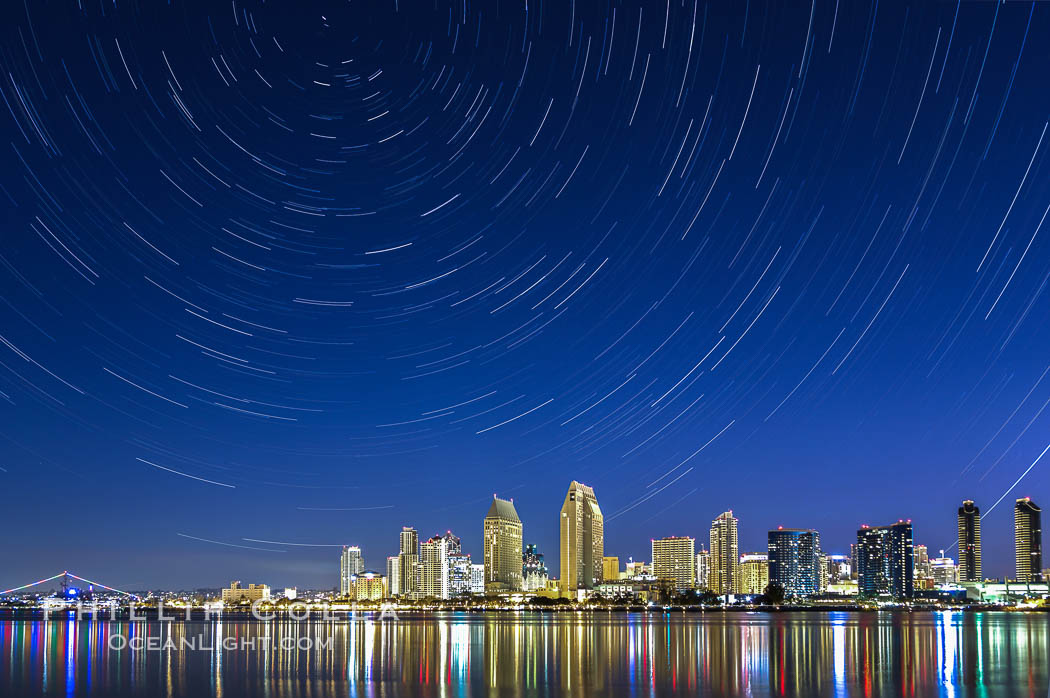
{"points": [[395, 614]]}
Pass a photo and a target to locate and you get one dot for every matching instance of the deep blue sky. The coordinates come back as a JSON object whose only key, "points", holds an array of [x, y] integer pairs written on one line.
{"points": [[308, 272]]}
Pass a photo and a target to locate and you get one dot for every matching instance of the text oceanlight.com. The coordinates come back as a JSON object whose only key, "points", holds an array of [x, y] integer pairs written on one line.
{"points": [[203, 643]]}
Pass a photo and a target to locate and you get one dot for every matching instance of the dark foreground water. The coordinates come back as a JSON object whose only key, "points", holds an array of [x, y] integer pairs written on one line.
{"points": [[713, 654]]}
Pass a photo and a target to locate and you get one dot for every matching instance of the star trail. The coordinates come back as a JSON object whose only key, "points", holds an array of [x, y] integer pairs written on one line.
{"points": [[276, 276]]}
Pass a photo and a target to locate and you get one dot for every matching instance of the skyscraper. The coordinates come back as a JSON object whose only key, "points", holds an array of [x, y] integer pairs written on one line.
{"points": [[674, 559], [725, 554], [408, 561], [969, 542], [350, 564], [703, 566], [610, 568], [885, 560], [533, 569], [582, 539], [502, 535], [393, 575], [434, 574], [754, 573], [1028, 540], [794, 561]]}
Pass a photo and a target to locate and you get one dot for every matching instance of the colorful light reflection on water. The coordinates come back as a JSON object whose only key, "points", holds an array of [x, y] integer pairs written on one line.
{"points": [[756, 654]]}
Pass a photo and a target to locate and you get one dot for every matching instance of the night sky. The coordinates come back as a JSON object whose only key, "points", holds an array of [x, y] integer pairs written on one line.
{"points": [[276, 276]]}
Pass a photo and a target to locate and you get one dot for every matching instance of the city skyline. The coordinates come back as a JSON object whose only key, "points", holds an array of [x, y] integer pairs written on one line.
{"points": [[795, 559]]}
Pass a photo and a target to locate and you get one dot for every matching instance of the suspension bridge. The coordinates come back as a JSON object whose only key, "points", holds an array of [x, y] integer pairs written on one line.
{"points": [[65, 576]]}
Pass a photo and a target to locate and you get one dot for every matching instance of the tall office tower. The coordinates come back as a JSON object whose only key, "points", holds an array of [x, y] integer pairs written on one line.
{"points": [[393, 575], [502, 535], [453, 546], [703, 567], [794, 561], [1028, 540], [477, 579], [533, 569], [754, 573], [408, 560], [725, 554], [922, 562], [459, 567], [610, 569], [674, 559], [582, 539], [350, 564], [886, 560], [433, 561], [970, 542], [823, 579]]}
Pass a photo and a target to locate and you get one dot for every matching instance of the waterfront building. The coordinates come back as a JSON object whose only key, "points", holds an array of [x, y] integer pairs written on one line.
{"points": [[610, 569], [369, 586], [434, 570], [453, 545], [886, 560], [582, 537], [839, 568], [459, 571], [408, 563], [502, 536], [922, 561], [1028, 540], [393, 575], [943, 571], [703, 566], [754, 573], [533, 569], [638, 569], [350, 563], [674, 559], [795, 561], [725, 554], [970, 542], [238, 593], [477, 579]]}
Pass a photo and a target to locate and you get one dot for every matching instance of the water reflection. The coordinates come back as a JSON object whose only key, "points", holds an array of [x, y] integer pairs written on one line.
{"points": [[787, 654]]}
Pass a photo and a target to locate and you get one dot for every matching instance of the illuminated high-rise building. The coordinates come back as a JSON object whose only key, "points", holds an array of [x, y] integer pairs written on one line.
{"points": [[943, 570], [368, 586], [725, 554], [502, 536], [970, 542], [610, 569], [753, 574], [795, 562], [886, 560], [703, 567], [393, 575], [533, 569], [350, 563], [408, 561], [582, 540], [477, 579], [674, 559], [434, 572], [459, 570], [1028, 540]]}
